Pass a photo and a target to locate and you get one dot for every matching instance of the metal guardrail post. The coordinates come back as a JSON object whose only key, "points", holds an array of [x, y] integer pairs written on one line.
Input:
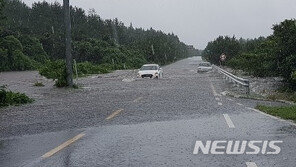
{"points": [[248, 87]]}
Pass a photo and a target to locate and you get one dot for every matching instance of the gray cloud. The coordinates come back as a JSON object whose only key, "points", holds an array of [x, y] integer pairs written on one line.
{"points": [[196, 22]]}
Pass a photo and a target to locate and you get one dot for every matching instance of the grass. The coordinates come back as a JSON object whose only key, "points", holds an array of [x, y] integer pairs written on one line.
{"points": [[286, 112], [38, 84]]}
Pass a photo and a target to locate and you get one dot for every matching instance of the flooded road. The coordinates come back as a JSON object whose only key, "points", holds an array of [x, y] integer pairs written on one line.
{"points": [[142, 122]]}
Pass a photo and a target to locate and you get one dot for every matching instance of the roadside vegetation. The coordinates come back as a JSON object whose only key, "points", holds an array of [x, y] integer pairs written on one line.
{"points": [[284, 93], [287, 112], [33, 38], [56, 70], [273, 56], [8, 98], [38, 84]]}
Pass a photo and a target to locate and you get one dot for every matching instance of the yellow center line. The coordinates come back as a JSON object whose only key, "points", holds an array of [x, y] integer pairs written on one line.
{"points": [[114, 114], [138, 99], [62, 146]]}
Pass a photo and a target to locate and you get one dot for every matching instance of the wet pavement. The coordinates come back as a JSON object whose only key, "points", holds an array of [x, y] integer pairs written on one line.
{"points": [[150, 122]]}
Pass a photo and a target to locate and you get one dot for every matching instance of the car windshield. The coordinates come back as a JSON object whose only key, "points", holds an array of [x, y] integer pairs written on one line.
{"points": [[205, 64], [148, 68]]}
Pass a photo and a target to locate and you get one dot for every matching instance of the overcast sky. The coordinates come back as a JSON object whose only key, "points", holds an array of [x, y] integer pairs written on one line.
{"points": [[196, 22]]}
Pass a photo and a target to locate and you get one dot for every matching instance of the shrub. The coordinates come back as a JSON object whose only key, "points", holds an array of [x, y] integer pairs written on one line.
{"points": [[11, 98], [260, 65], [89, 68], [293, 76], [288, 70], [39, 84], [33, 48], [12, 56], [55, 70]]}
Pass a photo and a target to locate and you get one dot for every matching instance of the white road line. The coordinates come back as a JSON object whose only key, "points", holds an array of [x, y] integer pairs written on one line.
{"points": [[128, 80], [239, 104], [214, 90], [138, 99], [220, 104], [251, 164], [62, 146], [228, 121]]}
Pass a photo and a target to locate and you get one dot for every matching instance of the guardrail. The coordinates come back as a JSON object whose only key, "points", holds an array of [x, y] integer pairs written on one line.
{"points": [[241, 81]]}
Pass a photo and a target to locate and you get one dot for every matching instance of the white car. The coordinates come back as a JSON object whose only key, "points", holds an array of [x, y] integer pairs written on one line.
{"points": [[204, 67], [150, 71]]}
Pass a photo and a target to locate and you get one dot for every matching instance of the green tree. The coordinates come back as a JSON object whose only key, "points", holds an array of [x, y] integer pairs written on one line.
{"points": [[285, 37], [33, 49], [13, 56], [2, 5], [95, 40], [229, 46], [55, 70]]}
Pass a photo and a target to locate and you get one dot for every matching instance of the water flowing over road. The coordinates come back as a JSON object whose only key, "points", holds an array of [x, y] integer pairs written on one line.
{"points": [[117, 120]]}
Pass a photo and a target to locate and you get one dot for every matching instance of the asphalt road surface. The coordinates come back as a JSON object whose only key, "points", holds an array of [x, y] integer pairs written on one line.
{"points": [[118, 120]]}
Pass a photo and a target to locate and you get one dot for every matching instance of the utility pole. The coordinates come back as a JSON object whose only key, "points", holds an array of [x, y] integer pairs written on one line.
{"points": [[115, 35], [152, 48], [69, 59]]}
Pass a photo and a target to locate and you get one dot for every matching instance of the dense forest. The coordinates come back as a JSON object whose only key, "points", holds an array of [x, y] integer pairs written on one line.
{"points": [[33, 36], [274, 55]]}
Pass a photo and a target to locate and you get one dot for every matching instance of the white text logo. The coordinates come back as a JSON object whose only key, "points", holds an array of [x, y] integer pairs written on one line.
{"points": [[237, 147]]}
